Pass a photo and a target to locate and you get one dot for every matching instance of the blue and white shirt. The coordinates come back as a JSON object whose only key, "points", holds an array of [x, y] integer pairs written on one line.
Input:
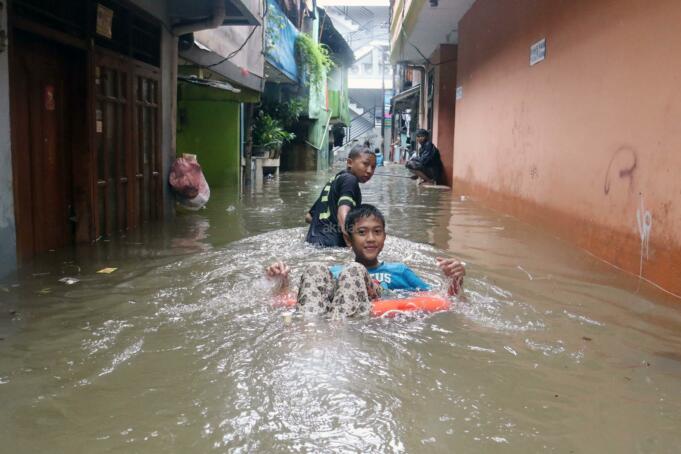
{"points": [[392, 276]]}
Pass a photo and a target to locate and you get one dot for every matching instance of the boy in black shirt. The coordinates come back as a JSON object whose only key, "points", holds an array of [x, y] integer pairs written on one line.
{"points": [[339, 195]]}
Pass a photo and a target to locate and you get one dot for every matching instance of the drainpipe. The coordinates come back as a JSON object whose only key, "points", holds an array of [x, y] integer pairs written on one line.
{"points": [[216, 20], [424, 88]]}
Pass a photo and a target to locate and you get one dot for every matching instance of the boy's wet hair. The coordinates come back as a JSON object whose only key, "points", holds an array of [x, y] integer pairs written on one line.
{"points": [[422, 133], [364, 210], [358, 150]]}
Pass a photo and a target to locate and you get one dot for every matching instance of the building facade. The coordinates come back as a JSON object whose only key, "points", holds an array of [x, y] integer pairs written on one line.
{"points": [[222, 72], [88, 120], [561, 114]]}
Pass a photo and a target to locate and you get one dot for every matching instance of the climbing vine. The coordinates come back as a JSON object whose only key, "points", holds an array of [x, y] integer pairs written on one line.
{"points": [[314, 58]]}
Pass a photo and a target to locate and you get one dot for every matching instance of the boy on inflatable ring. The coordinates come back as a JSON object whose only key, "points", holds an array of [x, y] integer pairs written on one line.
{"points": [[356, 289]]}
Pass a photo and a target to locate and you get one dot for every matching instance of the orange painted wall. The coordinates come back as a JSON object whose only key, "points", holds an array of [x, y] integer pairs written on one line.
{"points": [[444, 104], [583, 140]]}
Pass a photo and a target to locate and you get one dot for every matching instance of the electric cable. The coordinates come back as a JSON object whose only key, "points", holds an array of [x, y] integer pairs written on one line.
{"points": [[430, 63], [232, 54]]}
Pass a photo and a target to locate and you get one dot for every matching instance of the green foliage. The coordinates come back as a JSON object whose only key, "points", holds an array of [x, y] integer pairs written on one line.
{"points": [[287, 112], [269, 133], [313, 58]]}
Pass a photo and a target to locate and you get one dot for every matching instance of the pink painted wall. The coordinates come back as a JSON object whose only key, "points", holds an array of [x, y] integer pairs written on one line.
{"points": [[444, 104], [579, 142]]}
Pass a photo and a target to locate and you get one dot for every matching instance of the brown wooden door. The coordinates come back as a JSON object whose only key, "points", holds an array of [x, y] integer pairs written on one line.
{"points": [[44, 95], [127, 144], [146, 144], [113, 150]]}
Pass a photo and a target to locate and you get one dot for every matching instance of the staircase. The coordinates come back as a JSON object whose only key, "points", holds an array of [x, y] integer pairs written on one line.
{"points": [[362, 124], [356, 109]]}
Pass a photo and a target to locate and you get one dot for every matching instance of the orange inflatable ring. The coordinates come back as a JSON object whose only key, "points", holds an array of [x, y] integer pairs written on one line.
{"points": [[422, 301]]}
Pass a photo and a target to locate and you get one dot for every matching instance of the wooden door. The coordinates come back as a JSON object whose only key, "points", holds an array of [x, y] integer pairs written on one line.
{"points": [[113, 194], [44, 96], [129, 187], [146, 144]]}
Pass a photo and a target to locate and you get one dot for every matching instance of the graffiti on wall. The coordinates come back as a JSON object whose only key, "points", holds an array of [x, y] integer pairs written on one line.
{"points": [[644, 220], [622, 164]]}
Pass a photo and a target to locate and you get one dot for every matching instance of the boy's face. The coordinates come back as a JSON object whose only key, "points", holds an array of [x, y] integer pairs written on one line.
{"points": [[367, 239], [421, 139], [362, 166]]}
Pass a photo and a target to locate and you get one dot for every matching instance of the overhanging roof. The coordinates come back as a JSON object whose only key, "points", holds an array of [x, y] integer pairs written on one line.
{"points": [[407, 99], [190, 11], [332, 38], [416, 33], [206, 58], [196, 89], [209, 83]]}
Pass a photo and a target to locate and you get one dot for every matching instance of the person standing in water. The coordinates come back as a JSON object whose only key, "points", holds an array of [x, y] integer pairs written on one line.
{"points": [[339, 195], [427, 165]]}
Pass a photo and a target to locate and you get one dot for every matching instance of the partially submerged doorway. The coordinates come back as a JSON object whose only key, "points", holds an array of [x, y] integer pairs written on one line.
{"points": [[48, 102], [85, 95]]}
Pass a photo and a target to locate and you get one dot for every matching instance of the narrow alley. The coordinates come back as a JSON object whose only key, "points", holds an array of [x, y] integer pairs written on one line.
{"points": [[340, 226]]}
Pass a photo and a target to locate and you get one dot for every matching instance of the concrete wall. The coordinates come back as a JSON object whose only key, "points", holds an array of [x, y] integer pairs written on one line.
{"points": [[7, 231], [404, 15], [587, 140], [168, 115], [444, 104]]}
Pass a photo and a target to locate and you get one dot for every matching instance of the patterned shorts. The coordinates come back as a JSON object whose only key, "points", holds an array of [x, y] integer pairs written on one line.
{"points": [[348, 296]]}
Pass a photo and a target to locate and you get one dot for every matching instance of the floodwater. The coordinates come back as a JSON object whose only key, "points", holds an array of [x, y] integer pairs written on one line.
{"points": [[180, 350]]}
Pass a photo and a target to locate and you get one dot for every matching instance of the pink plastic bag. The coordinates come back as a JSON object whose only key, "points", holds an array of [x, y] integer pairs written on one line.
{"points": [[188, 182]]}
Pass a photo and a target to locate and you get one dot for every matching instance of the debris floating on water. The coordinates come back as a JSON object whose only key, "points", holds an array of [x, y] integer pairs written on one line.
{"points": [[524, 271], [231, 208], [106, 270], [69, 280]]}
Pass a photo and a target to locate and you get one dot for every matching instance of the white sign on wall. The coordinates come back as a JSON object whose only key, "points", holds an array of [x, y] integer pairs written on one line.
{"points": [[538, 52], [459, 92]]}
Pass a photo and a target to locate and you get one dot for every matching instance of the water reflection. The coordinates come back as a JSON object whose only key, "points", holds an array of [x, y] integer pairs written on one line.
{"points": [[181, 349]]}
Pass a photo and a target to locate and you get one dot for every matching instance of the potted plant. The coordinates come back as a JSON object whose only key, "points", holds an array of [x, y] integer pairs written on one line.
{"points": [[268, 136]]}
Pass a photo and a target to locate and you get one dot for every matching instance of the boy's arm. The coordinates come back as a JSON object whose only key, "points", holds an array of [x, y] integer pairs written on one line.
{"points": [[279, 270], [343, 211], [348, 197], [455, 270], [308, 214]]}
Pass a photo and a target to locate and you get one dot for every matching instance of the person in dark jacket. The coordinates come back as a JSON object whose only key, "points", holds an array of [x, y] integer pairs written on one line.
{"points": [[427, 165], [338, 132]]}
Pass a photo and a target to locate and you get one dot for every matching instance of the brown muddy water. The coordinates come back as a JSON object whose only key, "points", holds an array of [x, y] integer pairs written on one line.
{"points": [[179, 350]]}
